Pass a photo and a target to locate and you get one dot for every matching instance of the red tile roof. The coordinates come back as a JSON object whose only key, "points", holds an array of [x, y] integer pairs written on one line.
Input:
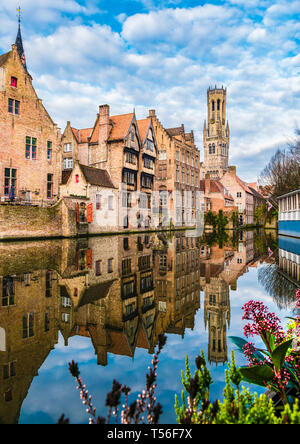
{"points": [[120, 126], [216, 187], [82, 135], [143, 126]]}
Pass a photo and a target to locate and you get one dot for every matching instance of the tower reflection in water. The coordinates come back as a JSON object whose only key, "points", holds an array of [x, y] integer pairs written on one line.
{"points": [[120, 292]]}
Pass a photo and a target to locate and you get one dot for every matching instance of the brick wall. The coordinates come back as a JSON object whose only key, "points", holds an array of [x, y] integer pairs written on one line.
{"points": [[27, 222]]}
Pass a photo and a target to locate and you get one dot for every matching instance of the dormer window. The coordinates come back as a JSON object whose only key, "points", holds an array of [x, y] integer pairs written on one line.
{"points": [[14, 82]]}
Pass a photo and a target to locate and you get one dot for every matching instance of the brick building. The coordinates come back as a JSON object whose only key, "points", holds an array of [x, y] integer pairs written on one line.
{"points": [[30, 140], [178, 175], [126, 149], [242, 195], [216, 197]]}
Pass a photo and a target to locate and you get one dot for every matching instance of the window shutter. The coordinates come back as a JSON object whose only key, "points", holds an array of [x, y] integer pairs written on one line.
{"points": [[77, 212], [90, 213], [89, 258]]}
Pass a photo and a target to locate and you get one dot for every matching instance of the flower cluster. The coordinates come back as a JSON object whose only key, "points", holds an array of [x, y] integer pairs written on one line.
{"points": [[262, 321]]}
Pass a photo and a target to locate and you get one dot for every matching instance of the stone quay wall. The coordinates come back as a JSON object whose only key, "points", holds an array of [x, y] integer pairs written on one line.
{"points": [[27, 222]]}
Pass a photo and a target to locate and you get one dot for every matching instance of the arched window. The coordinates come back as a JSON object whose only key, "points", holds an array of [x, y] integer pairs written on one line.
{"points": [[218, 104], [213, 105]]}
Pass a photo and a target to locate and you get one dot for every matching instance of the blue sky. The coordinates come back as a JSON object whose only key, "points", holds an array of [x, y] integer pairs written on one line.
{"points": [[164, 55]]}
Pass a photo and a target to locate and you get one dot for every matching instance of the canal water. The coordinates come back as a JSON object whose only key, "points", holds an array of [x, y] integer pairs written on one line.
{"points": [[103, 301]]}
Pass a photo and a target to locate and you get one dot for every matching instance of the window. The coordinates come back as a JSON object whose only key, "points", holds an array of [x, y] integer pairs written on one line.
{"points": [[162, 155], [10, 181], [148, 163], [14, 82], [9, 370], [130, 158], [77, 178], [238, 194], [98, 265], [65, 317], [49, 150], [30, 148], [126, 200], [48, 291], [110, 265], [128, 178], [47, 322], [68, 164], [66, 302], [144, 262], [212, 149], [126, 266], [13, 106], [67, 147], [110, 202], [146, 181], [49, 186], [8, 291], [146, 283], [177, 155], [177, 173], [128, 289], [98, 201], [28, 325], [150, 145]]}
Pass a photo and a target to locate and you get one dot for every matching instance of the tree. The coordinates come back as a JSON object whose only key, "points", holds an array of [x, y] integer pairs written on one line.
{"points": [[282, 172]]}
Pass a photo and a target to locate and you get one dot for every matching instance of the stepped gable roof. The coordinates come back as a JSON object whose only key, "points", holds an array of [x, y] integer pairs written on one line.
{"points": [[175, 131], [96, 176], [82, 135], [120, 126], [3, 58], [143, 126]]}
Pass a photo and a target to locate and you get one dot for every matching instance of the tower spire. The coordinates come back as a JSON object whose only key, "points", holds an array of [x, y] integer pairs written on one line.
{"points": [[19, 42]]}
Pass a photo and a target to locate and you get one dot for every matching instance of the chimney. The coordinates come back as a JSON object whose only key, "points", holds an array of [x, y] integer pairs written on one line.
{"points": [[207, 184], [152, 113], [232, 170], [104, 123]]}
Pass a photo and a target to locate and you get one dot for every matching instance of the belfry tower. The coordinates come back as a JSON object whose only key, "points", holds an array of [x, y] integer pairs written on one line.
{"points": [[216, 134]]}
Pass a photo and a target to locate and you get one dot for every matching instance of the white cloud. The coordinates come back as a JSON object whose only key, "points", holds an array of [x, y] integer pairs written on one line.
{"points": [[166, 59]]}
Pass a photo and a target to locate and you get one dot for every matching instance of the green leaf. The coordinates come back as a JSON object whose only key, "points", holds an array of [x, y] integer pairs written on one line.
{"points": [[240, 343], [257, 374], [279, 353]]}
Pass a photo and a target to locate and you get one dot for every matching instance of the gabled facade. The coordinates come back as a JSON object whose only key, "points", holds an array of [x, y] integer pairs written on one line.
{"points": [[75, 146], [178, 175], [94, 198], [242, 195], [126, 149], [216, 197], [30, 141]]}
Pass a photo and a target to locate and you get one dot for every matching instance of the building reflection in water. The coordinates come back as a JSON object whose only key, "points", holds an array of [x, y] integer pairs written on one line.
{"points": [[121, 292], [280, 277]]}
